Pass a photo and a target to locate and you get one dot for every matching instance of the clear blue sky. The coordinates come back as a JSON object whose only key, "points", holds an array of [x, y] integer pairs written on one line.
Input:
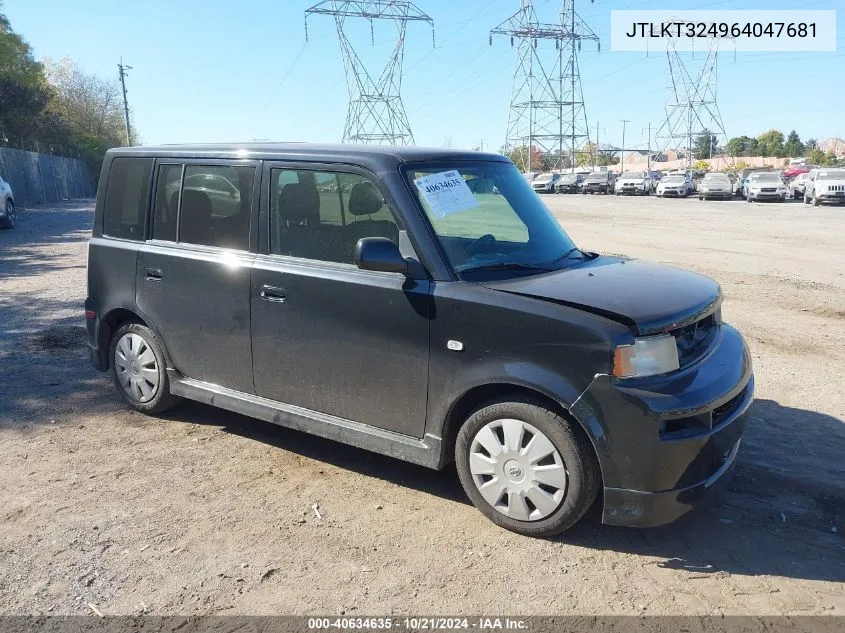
{"points": [[222, 70]]}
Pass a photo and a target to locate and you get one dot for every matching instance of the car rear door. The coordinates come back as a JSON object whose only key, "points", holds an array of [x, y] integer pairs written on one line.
{"points": [[327, 336], [193, 275]]}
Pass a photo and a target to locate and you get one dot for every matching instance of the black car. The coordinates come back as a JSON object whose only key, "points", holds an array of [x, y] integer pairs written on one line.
{"points": [[422, 304], [599, 182], [569, 183]]}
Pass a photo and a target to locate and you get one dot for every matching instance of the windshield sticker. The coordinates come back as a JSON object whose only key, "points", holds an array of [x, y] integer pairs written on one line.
{"points": [[446, 193]]}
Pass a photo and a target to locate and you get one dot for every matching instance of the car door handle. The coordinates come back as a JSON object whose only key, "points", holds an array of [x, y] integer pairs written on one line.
{"points": [[272, 293], [154, 274]]}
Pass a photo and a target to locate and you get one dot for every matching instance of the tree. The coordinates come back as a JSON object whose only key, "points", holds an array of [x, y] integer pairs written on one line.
{"points": [[539, 161], [23, 88], [88, 104], [811, 144], [705, 144], [815, 156], [741, 146], [770, 143], [793, 147], [701, 165]]}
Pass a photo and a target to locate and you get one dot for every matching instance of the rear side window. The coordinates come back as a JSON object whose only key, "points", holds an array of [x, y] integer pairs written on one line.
{"points": [[127, 192], [216, 205], [167, 202]]}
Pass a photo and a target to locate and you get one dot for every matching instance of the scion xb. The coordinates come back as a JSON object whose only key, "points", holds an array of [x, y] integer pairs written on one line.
{"points": [[423, 304]]}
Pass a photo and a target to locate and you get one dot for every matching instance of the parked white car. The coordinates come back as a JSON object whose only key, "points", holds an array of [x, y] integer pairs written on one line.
{"points": [[765, 185], [715, 185], [7, 205], [545, 183], [675, 185], [825, 185], [798, 185], [634, 182]]}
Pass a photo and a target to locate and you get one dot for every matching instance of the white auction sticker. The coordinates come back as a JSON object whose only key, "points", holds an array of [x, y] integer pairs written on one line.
{"points": [[446, 193]]}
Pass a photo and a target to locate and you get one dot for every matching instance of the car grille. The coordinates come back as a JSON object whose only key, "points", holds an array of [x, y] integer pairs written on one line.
{"points": [[768, 189], [836, 188]]}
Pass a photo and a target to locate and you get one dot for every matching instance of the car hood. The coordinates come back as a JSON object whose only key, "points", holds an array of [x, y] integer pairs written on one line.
{"points": [[680, 183], [633, 181], [649, 298], [759, 184]]}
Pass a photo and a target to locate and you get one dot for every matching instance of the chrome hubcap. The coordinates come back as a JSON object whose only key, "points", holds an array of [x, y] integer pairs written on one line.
{"points": [[517, 470], [136, 367]]}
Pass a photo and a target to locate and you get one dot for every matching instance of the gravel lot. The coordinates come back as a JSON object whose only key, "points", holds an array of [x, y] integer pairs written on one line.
{"points": [[209, 512]]}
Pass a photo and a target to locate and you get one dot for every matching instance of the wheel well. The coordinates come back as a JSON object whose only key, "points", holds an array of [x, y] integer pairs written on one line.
{"points": [[478, 396], [110, 323]]}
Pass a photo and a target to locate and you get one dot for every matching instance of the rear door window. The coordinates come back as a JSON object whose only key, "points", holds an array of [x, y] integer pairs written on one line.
{"points": [[127, 192], [216, 205]]}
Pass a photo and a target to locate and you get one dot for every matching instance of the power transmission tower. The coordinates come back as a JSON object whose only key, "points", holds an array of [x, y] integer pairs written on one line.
{"points": [[376, 113], [122, 70], [547, 107], [691, 104]]}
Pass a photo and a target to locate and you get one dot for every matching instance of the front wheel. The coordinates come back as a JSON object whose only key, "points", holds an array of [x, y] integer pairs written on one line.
{"points": [[139, 369], [10, 215], [816, 201], [526, 468]]}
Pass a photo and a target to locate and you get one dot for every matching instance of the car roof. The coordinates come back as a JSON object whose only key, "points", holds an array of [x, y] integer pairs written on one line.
{"points": [[376, 157]]}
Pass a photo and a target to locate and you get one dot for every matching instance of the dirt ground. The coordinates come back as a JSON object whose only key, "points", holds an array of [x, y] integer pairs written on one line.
{"points": [[204, 511]]}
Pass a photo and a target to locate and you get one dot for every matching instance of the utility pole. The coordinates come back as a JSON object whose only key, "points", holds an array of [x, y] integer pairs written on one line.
{"points": [[648, 155], [622, 166], [122, 69]]}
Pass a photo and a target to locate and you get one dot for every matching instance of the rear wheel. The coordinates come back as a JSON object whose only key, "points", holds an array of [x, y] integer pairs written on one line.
{"points": [[526, 468], [139, 369]]}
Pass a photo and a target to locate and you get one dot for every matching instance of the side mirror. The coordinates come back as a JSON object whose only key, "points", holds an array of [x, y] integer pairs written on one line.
{"points": [[381, 254]]}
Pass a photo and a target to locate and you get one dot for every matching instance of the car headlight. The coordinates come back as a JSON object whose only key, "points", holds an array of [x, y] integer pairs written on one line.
{"points": [[648, 356]]}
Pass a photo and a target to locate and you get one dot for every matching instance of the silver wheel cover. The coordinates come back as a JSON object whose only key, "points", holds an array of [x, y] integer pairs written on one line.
{"points": [[517, 470], [136, 367]]}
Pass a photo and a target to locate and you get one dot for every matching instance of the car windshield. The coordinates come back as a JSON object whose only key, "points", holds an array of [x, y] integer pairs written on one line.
{"points": [[568, 178], [721, 178], [635, 175], [544, 178], [489, 220], [597, 175], [765, 177], [674, 180], [831, 174]]}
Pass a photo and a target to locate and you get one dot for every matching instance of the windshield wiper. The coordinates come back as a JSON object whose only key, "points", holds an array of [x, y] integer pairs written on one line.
{"points": [[562, 257], [505, 266]]}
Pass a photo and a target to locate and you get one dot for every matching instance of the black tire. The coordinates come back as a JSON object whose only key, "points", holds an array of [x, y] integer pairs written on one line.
{"points": [[816, 201], [11, 217], [579, 459], [162, 399], [806, 199]]}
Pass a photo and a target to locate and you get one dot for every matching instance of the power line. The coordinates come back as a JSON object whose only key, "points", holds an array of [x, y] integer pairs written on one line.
{"points": [[547, 107], [376, 113]]}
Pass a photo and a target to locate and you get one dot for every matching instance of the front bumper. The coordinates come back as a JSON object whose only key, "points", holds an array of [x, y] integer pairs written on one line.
{"points": [[632, 189], [766, 195], [716, 194], [652, 476], [830, 197], [671, 192]]}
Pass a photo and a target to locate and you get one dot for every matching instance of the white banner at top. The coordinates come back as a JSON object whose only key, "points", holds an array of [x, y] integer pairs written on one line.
{"points": [[736, 30]]}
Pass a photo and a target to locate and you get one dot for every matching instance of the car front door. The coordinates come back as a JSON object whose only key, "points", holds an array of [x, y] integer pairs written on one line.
{"points": [[327, 336], [193, 276]]}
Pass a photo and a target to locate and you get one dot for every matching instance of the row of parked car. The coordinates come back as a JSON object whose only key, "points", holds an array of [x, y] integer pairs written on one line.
{"points": [[676, 184], [815, 185]]}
